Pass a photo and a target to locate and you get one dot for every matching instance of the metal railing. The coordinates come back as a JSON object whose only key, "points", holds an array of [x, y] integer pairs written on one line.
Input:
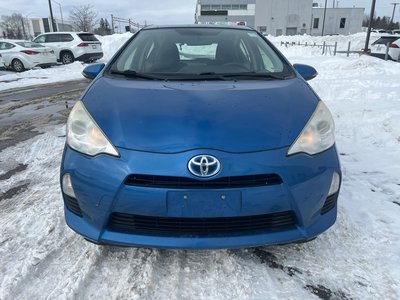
{"points": [[333, 48]]}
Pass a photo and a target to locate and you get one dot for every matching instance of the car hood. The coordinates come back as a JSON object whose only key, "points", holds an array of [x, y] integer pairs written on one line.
{"points": [[170, 117]]}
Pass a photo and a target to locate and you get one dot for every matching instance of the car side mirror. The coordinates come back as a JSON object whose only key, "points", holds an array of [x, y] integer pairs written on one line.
{"points": [[91, 71], [306, 71]]}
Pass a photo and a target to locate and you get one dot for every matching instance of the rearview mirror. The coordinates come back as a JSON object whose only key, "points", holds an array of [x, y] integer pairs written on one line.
{"points": [[306, 71], [91, 71]]}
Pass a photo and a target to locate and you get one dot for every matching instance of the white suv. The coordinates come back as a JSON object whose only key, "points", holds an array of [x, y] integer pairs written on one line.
{"points": [[71, 46]]}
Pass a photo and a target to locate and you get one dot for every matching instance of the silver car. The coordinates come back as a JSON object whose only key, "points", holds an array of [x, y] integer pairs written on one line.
{"points": [[22, 55]]}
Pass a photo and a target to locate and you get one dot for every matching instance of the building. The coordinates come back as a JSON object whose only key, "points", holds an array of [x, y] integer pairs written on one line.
{"points": [[277, 17], [337, 20], [33, 26], [36, 26]]}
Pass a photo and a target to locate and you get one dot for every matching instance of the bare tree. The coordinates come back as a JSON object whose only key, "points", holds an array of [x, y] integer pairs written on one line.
{"points": [[83, 17], [14, 26]]}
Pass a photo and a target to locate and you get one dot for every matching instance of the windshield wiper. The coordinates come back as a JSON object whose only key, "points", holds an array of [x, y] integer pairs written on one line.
{"points": [[134, 74], [243, 75], [252, 75]]}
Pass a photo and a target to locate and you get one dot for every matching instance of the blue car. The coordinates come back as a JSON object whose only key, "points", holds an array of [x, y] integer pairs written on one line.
{"points": [[199, 137]]}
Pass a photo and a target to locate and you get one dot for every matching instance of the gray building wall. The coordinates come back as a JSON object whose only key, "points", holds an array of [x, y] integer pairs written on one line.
{"points": [[233, 8], [277, 17], [286, 17], [353, 20]]}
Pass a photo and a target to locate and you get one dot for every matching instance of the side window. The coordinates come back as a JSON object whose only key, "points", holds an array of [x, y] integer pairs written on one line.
{"points": [[6, 46], [40, 39], [66, 38], [52, 38]]}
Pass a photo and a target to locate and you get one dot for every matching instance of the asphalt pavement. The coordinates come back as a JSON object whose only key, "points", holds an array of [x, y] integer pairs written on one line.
{"points": [[24, 111]]}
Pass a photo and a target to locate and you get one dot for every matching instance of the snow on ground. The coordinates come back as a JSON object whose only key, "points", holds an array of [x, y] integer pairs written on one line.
{"points": [[358, 258]]}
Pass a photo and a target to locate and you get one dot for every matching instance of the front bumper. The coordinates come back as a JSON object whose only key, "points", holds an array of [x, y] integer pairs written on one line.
{"points": [[101, 192]]}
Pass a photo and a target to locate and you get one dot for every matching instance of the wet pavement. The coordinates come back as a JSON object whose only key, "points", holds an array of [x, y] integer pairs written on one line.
{"points": [[24, 111]]}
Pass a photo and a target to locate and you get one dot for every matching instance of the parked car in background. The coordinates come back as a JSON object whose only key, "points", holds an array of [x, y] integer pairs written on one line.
{"points": [[2, 66], [23, 55], [397, 31], [72, 46], [379, 47], [200, 137]]}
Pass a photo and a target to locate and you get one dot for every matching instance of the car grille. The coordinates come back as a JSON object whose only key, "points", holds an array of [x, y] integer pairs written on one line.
{"points": [[73, 205], [329, 203], [202, 226], [192, 183]]}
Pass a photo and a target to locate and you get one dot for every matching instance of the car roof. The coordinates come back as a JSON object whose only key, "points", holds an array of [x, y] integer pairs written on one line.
{"points": [[389, 36], [15, 41], [240, 27], [64, 32]]}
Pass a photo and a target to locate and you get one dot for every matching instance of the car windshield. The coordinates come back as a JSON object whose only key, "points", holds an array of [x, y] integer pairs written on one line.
{"points": [[199, 53], [29, 44]]}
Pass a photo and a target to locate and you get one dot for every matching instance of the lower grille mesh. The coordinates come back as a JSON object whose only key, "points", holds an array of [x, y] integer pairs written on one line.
{"points": [[202, 226]]}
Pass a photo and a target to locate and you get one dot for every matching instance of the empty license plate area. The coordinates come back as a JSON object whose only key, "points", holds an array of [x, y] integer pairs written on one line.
{"points": [[204, 204]]}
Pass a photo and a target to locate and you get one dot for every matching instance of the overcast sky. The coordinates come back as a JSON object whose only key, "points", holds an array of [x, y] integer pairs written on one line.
{"points": [[153, 11]]}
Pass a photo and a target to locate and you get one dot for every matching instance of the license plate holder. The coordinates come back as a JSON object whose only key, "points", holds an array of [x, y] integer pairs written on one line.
{"points": [[204, 204]]}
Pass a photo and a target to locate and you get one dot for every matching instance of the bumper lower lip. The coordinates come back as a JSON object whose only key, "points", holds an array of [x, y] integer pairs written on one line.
{"points": [[100, 190]]}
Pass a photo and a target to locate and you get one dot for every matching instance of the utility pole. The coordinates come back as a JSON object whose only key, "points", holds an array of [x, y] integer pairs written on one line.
{"points": [[394, 9], [323, 22], [371, 18], [62, 19], [53, 25], [112, 24]]}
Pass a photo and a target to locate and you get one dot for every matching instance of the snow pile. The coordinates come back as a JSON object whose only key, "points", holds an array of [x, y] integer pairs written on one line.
{"points": [[111, 44]]}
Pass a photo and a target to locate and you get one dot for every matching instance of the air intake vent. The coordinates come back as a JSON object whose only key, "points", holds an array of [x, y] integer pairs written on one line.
{"points": [[202, 226], [329, 203], [192, 183], [73, 205]]}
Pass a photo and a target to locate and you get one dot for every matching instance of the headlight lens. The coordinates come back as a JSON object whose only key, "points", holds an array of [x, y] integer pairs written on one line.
{"points": [[318, 135], [83, 134]]}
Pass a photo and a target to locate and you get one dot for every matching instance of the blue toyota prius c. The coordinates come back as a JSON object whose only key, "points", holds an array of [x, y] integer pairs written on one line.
{"points": [[199, 137]]}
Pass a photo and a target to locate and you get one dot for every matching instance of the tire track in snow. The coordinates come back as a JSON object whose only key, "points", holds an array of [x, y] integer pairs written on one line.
{"points": [[127, 272], [190, 274]]}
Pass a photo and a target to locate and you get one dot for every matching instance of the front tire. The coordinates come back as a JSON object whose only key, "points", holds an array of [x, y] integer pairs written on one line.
{"points": [[17, 65], [67, 58]]}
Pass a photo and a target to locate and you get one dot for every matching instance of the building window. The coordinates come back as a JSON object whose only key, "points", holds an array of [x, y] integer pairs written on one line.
{"points": [[342, 22], [263, 29], [316, 23], [214, 12], [224, 7]]}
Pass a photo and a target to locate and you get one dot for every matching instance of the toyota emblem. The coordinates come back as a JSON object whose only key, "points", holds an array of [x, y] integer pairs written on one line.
{"points": [[204, 166]]}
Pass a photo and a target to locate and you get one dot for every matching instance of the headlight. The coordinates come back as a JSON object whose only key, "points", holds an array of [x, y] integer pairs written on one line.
{"points": [[318, 135], [83, 134]]}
